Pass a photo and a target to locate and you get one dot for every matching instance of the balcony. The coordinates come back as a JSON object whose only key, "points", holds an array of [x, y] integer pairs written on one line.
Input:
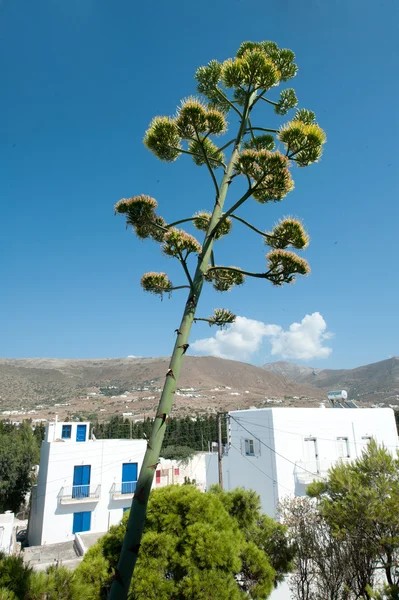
{"points": [[78, 494], [124, 490], [308, 471]]}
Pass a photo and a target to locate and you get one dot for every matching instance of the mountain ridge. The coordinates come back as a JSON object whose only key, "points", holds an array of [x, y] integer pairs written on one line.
{"points": [[376, 382]]}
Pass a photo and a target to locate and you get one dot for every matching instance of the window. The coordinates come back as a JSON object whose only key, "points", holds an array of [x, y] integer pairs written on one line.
{"points": [[81, 522], [158, 476], [343, 447], [129, 478], [66, 432], [81, 481], [81, 433], [249, 448]]}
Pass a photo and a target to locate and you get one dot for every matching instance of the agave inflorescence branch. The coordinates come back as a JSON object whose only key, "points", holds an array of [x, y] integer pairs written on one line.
{"points": [[263, 156]]}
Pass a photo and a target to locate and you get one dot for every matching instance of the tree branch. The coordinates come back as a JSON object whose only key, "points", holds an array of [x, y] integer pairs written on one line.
{"points": [[225, 98], [171, 289], [187, 272], [227, 145], [243, 198], [217, 323], [252, 133], [235, 270], [262, 233], [212, 174], [261, 97], [262, 129], [195, 154]]}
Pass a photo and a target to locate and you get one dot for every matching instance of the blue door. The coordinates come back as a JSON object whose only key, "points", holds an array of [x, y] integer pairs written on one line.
{"points": [[81, 481], [81, 433], [129, 478], [81, 522]]}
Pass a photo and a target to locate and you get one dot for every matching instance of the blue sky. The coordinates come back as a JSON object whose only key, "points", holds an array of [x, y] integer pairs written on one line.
{"points": [[81, 80]]}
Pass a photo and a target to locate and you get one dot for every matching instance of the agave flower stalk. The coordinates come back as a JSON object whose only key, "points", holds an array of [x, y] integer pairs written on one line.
{"points": [[236, 85]]}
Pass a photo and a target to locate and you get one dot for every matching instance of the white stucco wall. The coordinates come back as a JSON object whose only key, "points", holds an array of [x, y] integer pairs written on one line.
{"points": [[54, 430], [174, 472], [6, 532], [51, 520], [281, 462]]}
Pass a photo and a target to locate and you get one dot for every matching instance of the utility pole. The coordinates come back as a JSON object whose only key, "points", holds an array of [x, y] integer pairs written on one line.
{"points": [[220, 450]]}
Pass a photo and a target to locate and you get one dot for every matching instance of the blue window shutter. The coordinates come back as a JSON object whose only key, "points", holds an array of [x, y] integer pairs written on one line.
{"points": [[66, 432], [77, 522], [81, 522], [86, 521], [129, 477], [86, 470], [77, 475], [81, 481], [81, 433]]}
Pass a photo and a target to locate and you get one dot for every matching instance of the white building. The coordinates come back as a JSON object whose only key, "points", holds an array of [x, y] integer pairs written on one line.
{"points": [[7, 532], [83, 484], [278, 451], [172, 471], [86, 484]]}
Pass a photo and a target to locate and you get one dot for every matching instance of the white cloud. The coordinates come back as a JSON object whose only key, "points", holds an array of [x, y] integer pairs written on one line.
{"points": [[304, 340]]}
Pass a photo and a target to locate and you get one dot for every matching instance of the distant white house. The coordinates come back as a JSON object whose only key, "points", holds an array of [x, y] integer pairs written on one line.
{"points": [[7, 532], [278, 451], [86, 484]]}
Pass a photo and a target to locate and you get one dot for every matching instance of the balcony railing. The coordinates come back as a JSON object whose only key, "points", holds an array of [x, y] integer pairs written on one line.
{"points": [[79, 493], [308, 471], [125, 489]]}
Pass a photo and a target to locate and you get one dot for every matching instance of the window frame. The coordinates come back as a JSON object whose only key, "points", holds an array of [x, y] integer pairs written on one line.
{"points": [[344, 438], [68, 427], [248, 443]]}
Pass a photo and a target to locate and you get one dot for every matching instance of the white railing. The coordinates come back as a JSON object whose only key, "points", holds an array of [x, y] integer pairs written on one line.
{"points": [[123, 490], [308, 471], [79, 493]]}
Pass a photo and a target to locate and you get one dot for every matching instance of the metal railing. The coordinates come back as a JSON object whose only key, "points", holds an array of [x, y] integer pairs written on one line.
{"points": [[79, 493], [308, 471], [126, 488]]}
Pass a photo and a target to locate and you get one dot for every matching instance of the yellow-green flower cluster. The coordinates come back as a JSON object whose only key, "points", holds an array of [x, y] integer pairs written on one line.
{"points": [[282, 58], [163, 139], [202, 219], [289, 232], [140, 214], [178, 242], [284, 266], [270, 172], [156, 283], [287, 101], [194, 122], [253, 68], [221, 317], [194, 117], [206, 148], [223, 279], [304, 138], [260, 142]]}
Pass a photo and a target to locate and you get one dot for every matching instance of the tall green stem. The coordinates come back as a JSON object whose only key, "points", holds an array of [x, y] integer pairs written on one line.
{"points": [[132, 540]]}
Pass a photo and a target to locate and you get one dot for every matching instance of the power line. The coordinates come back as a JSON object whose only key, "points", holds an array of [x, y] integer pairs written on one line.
{"points": [[278, 453], [259, 469], [300, 434]]}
